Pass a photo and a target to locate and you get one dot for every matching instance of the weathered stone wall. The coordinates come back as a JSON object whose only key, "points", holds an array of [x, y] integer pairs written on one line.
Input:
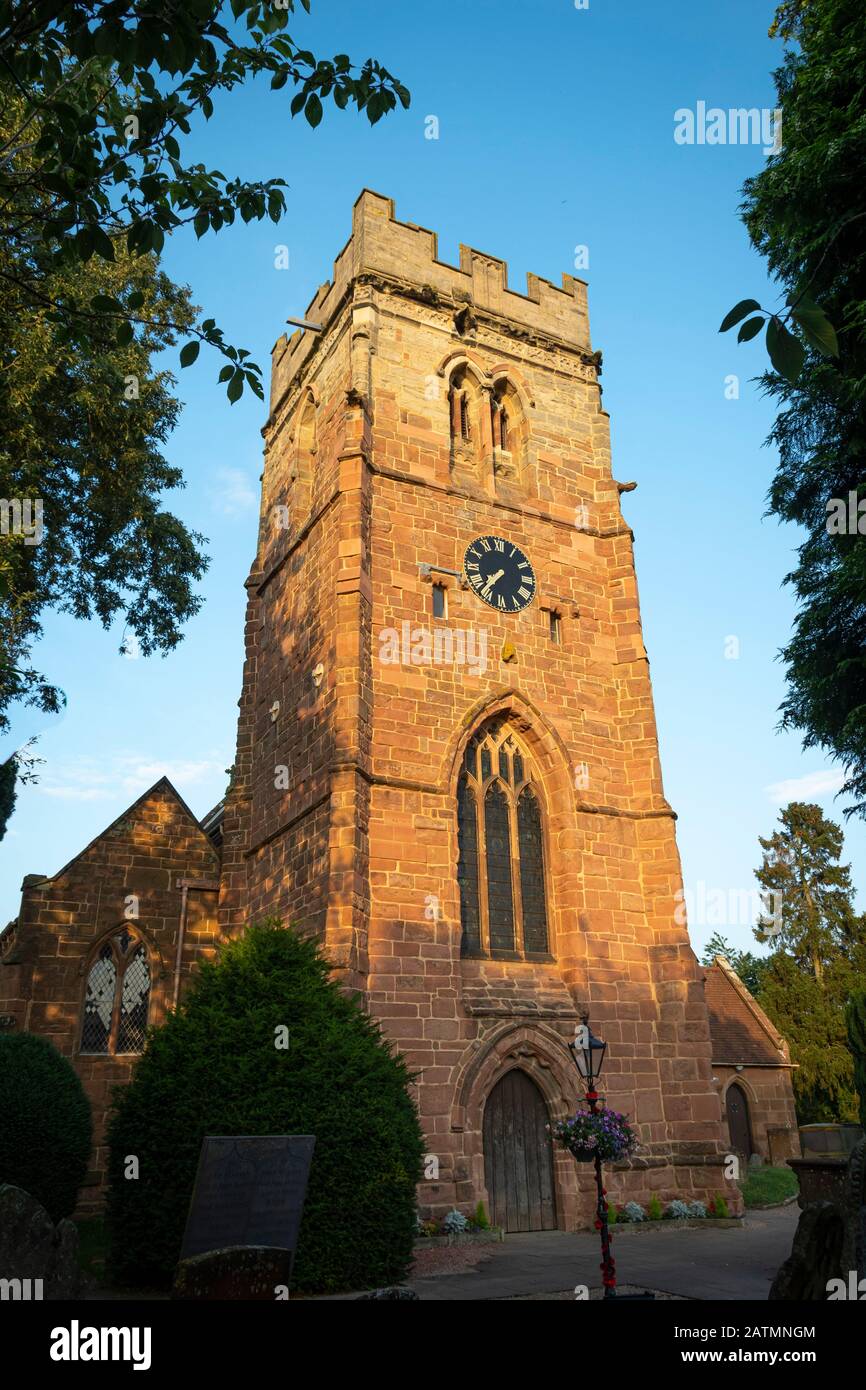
{"points": [[361, 846], [770, 1095], [64, 919]]}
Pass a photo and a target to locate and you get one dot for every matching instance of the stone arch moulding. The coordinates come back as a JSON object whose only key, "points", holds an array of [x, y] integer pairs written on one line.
{"points": [[544, 742], [527, 1045], [452, 361], [745, 1086], [133, 924], [504, 371]]}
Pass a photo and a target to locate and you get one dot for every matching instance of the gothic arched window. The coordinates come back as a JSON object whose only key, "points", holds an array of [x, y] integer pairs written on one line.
{"points": [[306, 447], [500, 868], [464, 401], [118, 996], [509, 430]]}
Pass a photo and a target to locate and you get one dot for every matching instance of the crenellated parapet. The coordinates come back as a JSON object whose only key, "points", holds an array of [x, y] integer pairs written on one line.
{"points": [[403, 258]]}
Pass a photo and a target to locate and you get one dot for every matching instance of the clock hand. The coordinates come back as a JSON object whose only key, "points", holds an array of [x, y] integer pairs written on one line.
{"points": [[494, 579]]}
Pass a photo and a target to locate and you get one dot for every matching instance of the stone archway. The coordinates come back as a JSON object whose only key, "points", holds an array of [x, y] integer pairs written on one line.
{"points": [[518, 1161]]}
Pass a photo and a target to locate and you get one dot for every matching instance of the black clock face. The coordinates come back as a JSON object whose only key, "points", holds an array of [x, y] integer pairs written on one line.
{"points": [[500, 574]]}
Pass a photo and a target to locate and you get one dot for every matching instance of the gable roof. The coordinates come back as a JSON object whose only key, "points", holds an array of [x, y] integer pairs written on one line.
{"points": [[162, 784], [740, 1031]]}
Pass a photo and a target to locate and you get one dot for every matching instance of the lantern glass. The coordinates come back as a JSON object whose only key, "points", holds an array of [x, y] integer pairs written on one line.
{"points": [[588, 1051]]}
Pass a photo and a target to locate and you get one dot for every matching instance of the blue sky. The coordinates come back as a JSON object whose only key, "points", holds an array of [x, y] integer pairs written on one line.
{"points": [[556, 130]]}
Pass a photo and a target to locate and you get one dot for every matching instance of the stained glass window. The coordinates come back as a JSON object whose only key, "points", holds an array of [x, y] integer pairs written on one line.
{"points": [[99, 1003], [501, 865], [467, 837], [118, 997], [531, 872]]}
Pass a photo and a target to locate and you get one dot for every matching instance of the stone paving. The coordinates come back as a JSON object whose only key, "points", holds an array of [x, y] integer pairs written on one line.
{"points": [[708, 1264]]}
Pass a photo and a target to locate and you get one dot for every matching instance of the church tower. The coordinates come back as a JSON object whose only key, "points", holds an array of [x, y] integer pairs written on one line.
{"points": [[447, 764]]}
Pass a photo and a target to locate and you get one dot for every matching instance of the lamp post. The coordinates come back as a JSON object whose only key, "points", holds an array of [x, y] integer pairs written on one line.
{"points": [[588, 1052]]}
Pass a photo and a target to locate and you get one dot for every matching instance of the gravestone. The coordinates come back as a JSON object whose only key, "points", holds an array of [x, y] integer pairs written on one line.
{"points": [[830, 1240], [244, 1216], [37, 1259]]}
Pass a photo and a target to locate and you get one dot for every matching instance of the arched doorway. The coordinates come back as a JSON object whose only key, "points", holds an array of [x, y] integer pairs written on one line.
{"points": [[739, 1128], [518, 1156]]}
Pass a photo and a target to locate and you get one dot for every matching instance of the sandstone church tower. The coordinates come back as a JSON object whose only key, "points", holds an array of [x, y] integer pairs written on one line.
{"points": [[447, 764]]}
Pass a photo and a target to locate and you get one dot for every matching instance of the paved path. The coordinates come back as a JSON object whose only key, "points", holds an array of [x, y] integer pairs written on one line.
{"points": [[695, 1263]]}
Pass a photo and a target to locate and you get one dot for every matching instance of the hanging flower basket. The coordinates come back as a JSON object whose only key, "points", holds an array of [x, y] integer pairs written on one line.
{"points": [[605, 1134]]}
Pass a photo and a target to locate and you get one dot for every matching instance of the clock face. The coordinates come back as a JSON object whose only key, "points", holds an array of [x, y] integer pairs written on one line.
{"points": [[500, 574]]}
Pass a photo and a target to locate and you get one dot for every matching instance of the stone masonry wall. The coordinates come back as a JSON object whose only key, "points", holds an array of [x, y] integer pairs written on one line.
{"points": [[64, 919], [361, 846]]}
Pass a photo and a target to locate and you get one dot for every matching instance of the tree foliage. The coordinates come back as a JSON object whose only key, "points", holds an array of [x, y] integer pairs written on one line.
{"points": [[818, 958], [213, 1068], [83, 423], [110, 88], [46, 1129], [801, 867], [749, 967], [806, 214], [855, 1017], [96, 102]]}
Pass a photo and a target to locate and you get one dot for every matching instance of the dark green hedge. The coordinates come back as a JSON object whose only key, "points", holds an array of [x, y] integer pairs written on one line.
{"points": [[856, 1020], [213, 1069], [45, 1125]]}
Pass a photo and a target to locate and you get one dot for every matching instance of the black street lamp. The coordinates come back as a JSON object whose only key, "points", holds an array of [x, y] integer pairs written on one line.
{"points": [[588, 1052]]}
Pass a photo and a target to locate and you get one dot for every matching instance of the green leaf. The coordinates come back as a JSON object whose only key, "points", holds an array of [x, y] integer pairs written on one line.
{"points": [[102, 243], [313, 110], [189, 352], [787, 353], [750, 329], [124, 334], [201, 222], [739, 311], [817, 329], [104, 304], [235, 386]]}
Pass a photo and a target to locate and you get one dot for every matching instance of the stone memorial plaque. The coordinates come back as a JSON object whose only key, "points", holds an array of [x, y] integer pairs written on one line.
{"points": [[249, 1190]]}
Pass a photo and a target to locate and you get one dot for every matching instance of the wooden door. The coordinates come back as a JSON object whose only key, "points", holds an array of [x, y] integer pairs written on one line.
{"points": [[518, 1156], [739, 1128]]}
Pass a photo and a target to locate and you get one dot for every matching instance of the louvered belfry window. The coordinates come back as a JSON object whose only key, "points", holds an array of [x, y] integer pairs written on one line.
{"points": [[118, 997], [500, 868]]}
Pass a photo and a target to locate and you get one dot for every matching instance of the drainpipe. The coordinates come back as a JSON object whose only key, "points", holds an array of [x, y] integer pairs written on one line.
{"points": [[180, 935]]}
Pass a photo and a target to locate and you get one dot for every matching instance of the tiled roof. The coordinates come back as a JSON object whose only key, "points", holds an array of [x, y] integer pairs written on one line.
{"points": [[740, 1031]]}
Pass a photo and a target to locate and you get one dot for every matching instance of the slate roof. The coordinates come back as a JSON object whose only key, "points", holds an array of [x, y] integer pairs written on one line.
{"points": [[740, 1031]]}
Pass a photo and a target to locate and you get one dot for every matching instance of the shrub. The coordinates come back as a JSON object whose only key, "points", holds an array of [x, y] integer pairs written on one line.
{"points": [[612, 1213], [654, 1209], [455, 1223], [45, 1125], [697, 1209], [480, 1218], [633, 1211], [718, 1206], [855, 1016], [767, 1186], [676, 1210], [213, 1068]]}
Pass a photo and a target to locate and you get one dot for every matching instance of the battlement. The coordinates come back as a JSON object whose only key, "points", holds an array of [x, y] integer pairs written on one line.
{"points": [[407, 255]]}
